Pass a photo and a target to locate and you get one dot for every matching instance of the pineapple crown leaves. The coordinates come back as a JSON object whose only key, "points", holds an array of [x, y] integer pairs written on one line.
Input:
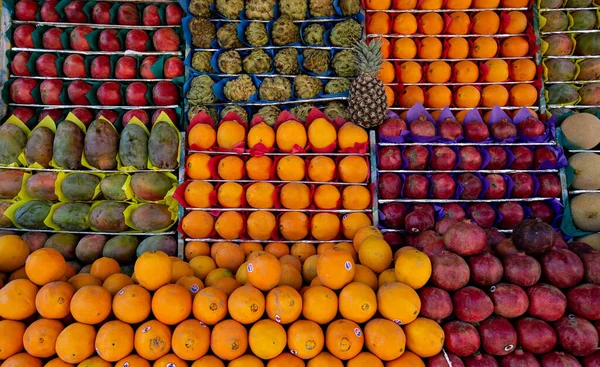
{"points": [[368, 57]]}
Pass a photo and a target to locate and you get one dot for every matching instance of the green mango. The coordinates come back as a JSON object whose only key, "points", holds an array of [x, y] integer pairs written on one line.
{"points": [[40, 146], [68, 145], [80, 186], [584, 20], [555, 21], [101, 145], [133, 147], [163, 146], [121, 248], [560, 70], [32, 214], [12, 143], [562, 93], [72, 216], [112, 187], [65, 243], [166, 244], [108, 217], [588, 44]]}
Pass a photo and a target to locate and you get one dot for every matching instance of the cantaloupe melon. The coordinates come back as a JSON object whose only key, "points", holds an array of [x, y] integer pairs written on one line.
{"points": [[585, 209], [582, 130], [587, 171]]}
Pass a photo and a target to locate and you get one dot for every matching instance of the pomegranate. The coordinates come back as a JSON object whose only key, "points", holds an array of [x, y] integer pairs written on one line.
{"points": [[462, 338], [503, 129], [442, 226], [542, 211], [83, 114], [101, 13], [584, 300], [394, 239], [450, 129], [416, 187], [441, 360], [109, 94], [392, 127], [77, 92], [126, 68], [422, 127], [150, 16], [454, 211], [390, 158], [559, 359], [497, 188], [390, 185], [77, 38], [45, 65], [100, 67], [465, 239], [498, 337], [498, 158], [165, 40], [74, 66], [22, 36], [471, 184], [543, 154], [562, 268], [486, 270], [48, 11], [470, 158], [523, 185], [23, 113], [519, 359], [417, 157], [449, 271], [436, 303], [591, 263], [531, 127], [442, 186], [418, 221], [26, 10], [593, 360], [51, 39], [429, 242], [108, 40], [173, 67], [20, 91], [576, 335], [54, 113], [135, 94], [482, 214], [549, 186], [443, 158], [480, 360], [476, 131], [173, 13], [523, 158], [522, 270], [140, 114], [580, 248], [110, 115], [128, 14], [494, 236], [136, 40], [394, 214], [74, 12], [533, 236], [509, 300], [427, 208], [546, 302], [472, 304], [18, 65], [512, 214], [50, 90], [535, 336]]}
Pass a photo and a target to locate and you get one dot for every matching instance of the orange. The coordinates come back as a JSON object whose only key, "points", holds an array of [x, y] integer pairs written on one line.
{"points": [[208, 361], [82, 279], [327, 197], [291, 168], [305, 339], [523, 95], [322, 134], [75, 343], [229, 225], [291, 134], [515, 46], [104, 267], [466, 72], [14, 252], [411, 96], [467, 96], [438, 72], [493, 95], [229, 134], [404, 48], [351, 134], [180, 269], [514, 3], [389, 95], [302, 250], [431, 4], [196, 165], [46, 265], [497, 70], [438, 96], [57, 362], [432, 23], [384, 339], [411, 72], [293, 226], [247, 360], [22, 359], [132, 360], [152, 340], [431, 48], [250, 247], [344, 339], [230, 194], [94, 361], [348, 247], [261, 133], [353, 169], [290, 276], [191, 283], [116, 282], [153, 270], [278, 249], [197, 194], [517, 22], [202, 137], [387, 73], [484, 47], [358, 302], [458, 48], [407, 359], [202, 265], [398, 302], [375, 254], [379, 23], [309, 268], [132, 304], [459, 23], [169, 360], [261, 224], [486, 22], [460, 116], [259, 168], [532, 112], [458, 4], [424, 337], [405, 23], [325, 359], [335, 268], [229, 340], [171, 304], [352, 222], [404, 4], [264, 271], [11, 338], [40, 337], [190, 340], [325, 226], [319, 304], [246, 304], [17, 299], [91, 304], [365, 359], [197, 224], [378, 4], [295, 196], [291, 260], [210, 305], [17, 274], [231, 168], [321, 169], [366, 276], [53, 300], [413, 268], [485, 4], [227, 285], [523, 70], [259, 195], [283, 304], [386, 48], [217, 274], [356, 198], [114, 341]]}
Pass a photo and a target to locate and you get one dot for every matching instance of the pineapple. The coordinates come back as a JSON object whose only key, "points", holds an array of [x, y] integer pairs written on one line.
{"points": [[367, 103]]}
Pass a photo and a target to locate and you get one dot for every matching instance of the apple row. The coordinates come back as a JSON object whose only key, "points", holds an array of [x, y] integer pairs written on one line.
{"points": [[98, 12], [52, 65]]}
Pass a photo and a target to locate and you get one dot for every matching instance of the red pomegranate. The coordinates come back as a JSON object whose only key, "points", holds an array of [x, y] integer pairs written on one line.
{"points": [[546, 302], [449, 271], [390, 186], [450, 129], [519, 359], [512, 214], [509, 300], [429, 242], [562, 268], [486, 270], [503, 129], [522, 270], [392, 127], [442, 226], [576, 335], [422, 127], [472, 304], [418, 221], [436, 303], [498, 158], [505, 248], [416, 186], [535, 336], [559, 359], [483, 214], [462, 338], [443, 158], [417, 157], [394, 214], [454, 211], [542, 211], [465, 239], [480, 360], [441, 360], [498, 337]]}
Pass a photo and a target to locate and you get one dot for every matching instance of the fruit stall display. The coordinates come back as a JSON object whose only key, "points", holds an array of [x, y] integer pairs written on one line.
{"points": [[569, 31], [459, 53], [259, 57]]}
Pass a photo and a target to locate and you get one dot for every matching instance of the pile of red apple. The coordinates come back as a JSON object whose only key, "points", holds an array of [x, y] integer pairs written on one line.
{"points": [[529, 300]]}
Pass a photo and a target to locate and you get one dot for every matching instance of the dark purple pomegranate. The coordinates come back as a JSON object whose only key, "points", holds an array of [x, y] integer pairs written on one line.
{"points": [[472, 304], [584, 301], [563, 268], [462, 338], [519, 359], [441, 360], [522, 270], [535, 336], [559, 359], [494, 236], [498, 336], [505, 248], [546, 302], [533, 236], [465, 239], [576, 335], [436, 303], [486, 269], [429, 242], [449, 271], [480, 360], [509, 300], [418, 221]]}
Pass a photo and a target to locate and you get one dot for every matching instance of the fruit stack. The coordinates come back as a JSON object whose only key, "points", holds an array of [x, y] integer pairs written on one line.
{"points": [[255, 56], [458, 53], [442, 171], [570, 48]]}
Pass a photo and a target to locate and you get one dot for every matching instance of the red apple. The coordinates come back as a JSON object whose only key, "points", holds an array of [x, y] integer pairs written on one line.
{"points": [[135, 94], [20, 91], [77, 38], [512, 214], [531, 127], [18, 65], [136, 40], [166, 40], [470, 158], [454, 211], [392, 127], [45, 65], [74, 66], [390, 158], [100, 67], [83, 114], [503, 129], [390, 185], [417, 157], [126, 68], [450, 129], [48, 13], [128, 14], [168, 111], [50, 90], [394, 214], [140, 114], [108, 40], [165, 94], [110, 115], [150, 16], [498, 158], [174, 14], [549, 186], [476, 131], [443, 158], [416, 187], [26, 10], [471, 185], [482, 214], [109, 94], [101, 13], [22, 36], [422, 127], [173, 67], [51, 39], [54, 113], [427, 208], [23, 113], [543, 211], [74, 12], [523, 158], [523, 185], [442, 186], [78, 91], [543, 154], [145, 70], [497, 188]]}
